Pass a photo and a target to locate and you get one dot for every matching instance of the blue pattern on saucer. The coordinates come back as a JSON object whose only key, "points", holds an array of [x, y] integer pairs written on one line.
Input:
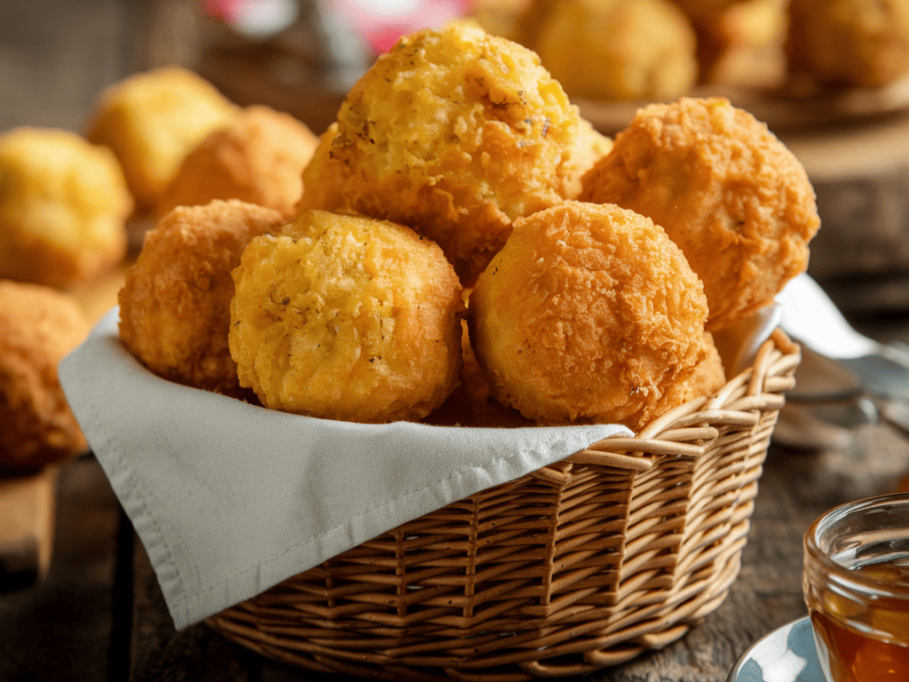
{"points": [[787, 654]]}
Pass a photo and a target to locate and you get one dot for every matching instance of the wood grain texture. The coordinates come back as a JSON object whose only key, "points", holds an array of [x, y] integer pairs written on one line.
{"points": [[27, 524], [60, 628]]}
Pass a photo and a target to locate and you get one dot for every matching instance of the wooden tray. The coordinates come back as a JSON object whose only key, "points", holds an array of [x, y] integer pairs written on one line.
{"points": [[789, 108]]}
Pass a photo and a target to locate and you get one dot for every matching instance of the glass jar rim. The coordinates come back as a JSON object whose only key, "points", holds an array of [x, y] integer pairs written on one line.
{"points": [[841, 574]]}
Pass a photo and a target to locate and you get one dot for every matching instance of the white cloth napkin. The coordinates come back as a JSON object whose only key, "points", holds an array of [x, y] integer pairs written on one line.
{"points": [[739, 343], [230, 499]]}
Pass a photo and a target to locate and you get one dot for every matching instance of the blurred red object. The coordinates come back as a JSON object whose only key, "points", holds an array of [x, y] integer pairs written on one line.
{"points": [[253, 18]]}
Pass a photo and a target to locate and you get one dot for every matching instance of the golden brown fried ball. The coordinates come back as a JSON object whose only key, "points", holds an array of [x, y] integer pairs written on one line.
{"points": [[345, 317], [588, 314], [38, 327], [709, 376], [258, 159], [454, 133], [724, 188], [859, 43], [744, 45], [63, 207], [618, 49], [152, 120], [175, 303]]}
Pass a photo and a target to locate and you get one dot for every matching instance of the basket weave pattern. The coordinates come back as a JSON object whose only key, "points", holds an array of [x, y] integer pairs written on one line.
{"points": [[586, 563]]}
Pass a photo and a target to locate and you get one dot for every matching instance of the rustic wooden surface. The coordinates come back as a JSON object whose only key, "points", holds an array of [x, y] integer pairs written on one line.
{"points": [[99, 614]]}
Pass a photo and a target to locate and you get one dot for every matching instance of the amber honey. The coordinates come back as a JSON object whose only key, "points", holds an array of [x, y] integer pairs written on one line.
{"points": [[865, 641], [856, 585]]}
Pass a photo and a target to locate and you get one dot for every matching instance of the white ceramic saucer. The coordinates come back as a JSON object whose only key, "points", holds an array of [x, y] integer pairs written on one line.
{"points": [[787, 654]]}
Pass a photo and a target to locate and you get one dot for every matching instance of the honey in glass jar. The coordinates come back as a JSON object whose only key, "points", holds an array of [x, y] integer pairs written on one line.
{"points": [[856, 584]]}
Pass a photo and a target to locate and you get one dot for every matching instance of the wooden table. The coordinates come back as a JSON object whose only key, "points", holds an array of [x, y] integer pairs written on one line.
{"points": [[99, 614]]}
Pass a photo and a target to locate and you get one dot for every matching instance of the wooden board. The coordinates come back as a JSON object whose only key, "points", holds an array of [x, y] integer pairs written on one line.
{"points": [[792, 107], [26, 527]]}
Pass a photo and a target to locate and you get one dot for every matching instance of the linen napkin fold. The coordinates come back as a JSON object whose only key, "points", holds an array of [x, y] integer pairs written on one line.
{"points": [[230, 499]]}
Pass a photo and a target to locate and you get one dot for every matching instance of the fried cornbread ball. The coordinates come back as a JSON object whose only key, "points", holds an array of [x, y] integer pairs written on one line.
{"points": [[259, 159], [152, 120], [38, 327], [859, 43], [589, 313], [63, 207], [454, 133], [349, 318], [618, 49], [725, 189], [175, 302]]}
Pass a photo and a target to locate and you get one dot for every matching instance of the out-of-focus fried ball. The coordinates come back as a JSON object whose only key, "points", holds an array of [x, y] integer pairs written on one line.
{"points": [[454, 133], [705, 11], [152, 120], [590, 313], [258, 159], [724, 188], [349, 318], [859, 43], [500, 17], [618, 49], [63, 207], [175, 302], [38, 327], [744, 45]]}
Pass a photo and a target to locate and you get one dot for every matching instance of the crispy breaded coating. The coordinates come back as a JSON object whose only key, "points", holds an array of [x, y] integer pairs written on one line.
{"points": [[853, 43], [617, 49], [709, 376], [63, 207], [152, 120], [590, 313], [38, 327], [725, 189], [258, 159], [175, 302], [454, 133], [349, 318]]}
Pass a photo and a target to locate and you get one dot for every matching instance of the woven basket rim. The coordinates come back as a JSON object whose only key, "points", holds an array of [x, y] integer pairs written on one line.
{"points": [[586, 563]]}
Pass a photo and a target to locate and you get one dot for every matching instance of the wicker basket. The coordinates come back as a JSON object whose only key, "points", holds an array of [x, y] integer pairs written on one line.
{"points": [[583, 564]]}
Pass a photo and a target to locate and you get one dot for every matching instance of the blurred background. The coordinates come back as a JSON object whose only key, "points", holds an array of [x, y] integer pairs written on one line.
{"points": [[850, 129]]}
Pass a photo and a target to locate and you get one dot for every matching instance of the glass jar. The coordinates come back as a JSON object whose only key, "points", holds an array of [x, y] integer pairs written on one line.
{"points": [[856, 584]]}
